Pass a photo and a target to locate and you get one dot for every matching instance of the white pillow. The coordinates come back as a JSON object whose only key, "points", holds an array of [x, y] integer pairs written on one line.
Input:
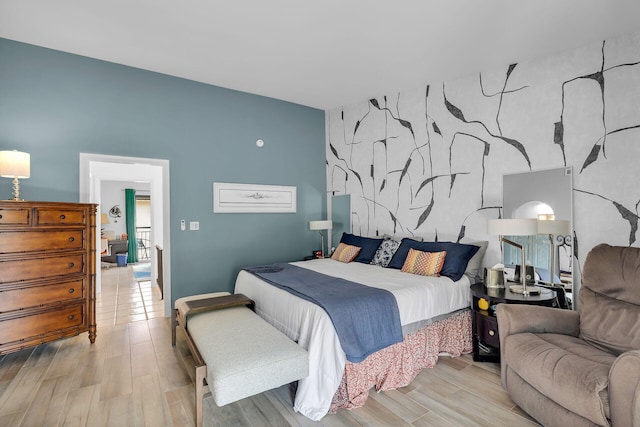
{"points": [[475, 263]]}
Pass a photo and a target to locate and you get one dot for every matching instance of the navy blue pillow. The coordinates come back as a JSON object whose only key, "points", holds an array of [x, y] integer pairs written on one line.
{"points": [[455, 262], [403, 250], [367, 245]]}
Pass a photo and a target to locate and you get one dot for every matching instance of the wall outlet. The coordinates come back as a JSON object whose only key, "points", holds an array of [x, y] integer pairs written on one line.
{"points": [[194, 225]]}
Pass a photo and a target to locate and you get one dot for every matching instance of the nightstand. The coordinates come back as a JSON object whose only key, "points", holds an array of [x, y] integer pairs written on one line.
{"points": [[486, 340]]}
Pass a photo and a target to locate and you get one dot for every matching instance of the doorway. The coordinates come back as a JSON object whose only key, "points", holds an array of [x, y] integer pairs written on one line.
{"points": [[95, 168]]}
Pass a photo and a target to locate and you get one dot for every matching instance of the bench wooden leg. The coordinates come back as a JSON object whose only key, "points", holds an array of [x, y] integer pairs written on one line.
{"points": [[201, 373], [174, 324]]}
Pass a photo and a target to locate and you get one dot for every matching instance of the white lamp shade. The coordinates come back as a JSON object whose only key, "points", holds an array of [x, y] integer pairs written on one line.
{"points": [[15, 164], [512, 227], [320, 225], [555, 227]]}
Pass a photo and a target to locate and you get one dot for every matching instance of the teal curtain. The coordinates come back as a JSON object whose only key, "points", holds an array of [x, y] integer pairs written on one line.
{"points": [[130, 214]]}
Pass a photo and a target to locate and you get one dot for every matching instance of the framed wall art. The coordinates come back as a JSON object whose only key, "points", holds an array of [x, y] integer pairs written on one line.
{"points": [[245, 198]]}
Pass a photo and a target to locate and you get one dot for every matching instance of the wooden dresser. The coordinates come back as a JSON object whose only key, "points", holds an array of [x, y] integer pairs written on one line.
{"points": [[47, 272]]}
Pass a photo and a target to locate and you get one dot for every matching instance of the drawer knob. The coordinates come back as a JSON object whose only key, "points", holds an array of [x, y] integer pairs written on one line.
{"points": [[71, 290], [492, 332], [0, 216], [71, 317], [62, 216], [71, 239], [71, 265]]}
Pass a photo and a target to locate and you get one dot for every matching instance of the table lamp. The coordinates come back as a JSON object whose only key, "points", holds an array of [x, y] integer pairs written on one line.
{"points": [[15, 164], [104, 219], [321, 225], [515, 227]]}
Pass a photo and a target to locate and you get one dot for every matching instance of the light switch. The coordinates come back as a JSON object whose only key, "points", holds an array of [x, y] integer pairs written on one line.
{"points": [[194, 225]]}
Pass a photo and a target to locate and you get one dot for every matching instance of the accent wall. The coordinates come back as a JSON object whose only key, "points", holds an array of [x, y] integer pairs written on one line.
{"points": [[429, 162]]}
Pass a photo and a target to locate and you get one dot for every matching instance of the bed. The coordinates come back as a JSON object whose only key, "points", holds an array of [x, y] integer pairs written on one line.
{"points": [[434, 314]]}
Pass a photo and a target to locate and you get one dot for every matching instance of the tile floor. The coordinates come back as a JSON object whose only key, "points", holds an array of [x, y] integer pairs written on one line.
{"points": [[125, 300]]}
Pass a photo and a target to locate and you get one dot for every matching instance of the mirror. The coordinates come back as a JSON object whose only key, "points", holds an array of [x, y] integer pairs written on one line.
{"points": [[543, 195], [341, 218]]}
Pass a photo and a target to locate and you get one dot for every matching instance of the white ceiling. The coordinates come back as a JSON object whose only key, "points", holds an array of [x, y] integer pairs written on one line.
{"points": [[323, 54]]}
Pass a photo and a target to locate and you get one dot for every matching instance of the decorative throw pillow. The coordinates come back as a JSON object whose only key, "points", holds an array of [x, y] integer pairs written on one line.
{"points": [[424, 263], [345, 253], [385, 252], [458, 255], [368, 246]]}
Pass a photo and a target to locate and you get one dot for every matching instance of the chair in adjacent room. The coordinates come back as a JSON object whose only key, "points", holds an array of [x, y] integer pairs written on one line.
{"points": [[143, 252]]}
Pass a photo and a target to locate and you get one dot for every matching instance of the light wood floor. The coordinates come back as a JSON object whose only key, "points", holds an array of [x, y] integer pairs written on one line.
{"points": [[132, 376]]}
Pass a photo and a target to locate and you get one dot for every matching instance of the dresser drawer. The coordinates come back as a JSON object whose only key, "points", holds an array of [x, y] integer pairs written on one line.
{"points": [[46, 216], [34, 296], [9, 216], [487, 330], [50, 240], [40, 268], [41, 324]]}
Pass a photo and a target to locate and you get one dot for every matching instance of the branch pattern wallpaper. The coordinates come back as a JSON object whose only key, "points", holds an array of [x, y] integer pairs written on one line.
{"points": [[429, 162]]}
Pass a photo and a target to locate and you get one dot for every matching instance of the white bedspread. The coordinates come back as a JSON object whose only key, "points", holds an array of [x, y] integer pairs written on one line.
{"points": [[419, 298]]}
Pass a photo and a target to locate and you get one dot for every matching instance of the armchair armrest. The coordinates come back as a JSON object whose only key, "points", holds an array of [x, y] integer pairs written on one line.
{"points": [[624, 389], [519, 318]]}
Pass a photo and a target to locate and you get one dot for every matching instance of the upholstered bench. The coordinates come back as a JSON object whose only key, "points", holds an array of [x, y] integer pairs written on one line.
{"points": [[237, 354]]}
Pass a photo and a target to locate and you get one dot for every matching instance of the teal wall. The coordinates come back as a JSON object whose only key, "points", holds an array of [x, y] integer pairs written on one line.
{"points": [[55, 105]]}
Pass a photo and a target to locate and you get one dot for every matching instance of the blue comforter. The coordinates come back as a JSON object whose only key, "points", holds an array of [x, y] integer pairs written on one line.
{"points": [[366, 319]]}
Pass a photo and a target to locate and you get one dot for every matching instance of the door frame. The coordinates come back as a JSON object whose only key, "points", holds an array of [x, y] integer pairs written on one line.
{"points": [[95, 168]]}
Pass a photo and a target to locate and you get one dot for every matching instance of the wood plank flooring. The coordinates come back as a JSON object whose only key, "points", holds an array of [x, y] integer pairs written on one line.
{"points": [[132, 376]]}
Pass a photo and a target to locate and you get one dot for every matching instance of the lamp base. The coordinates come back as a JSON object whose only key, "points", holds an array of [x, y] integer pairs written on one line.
{"points": [[16, 189], [530, 290]]}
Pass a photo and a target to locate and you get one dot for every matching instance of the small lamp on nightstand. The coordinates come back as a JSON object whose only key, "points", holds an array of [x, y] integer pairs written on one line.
{"points": [[515, 227], [321, 225]]}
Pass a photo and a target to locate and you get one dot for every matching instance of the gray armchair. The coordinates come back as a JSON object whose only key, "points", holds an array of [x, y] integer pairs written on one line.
{"points": [[582, 368]]}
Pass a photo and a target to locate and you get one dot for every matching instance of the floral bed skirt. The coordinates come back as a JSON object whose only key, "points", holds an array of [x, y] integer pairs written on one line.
{"points": [[397, 365]]}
